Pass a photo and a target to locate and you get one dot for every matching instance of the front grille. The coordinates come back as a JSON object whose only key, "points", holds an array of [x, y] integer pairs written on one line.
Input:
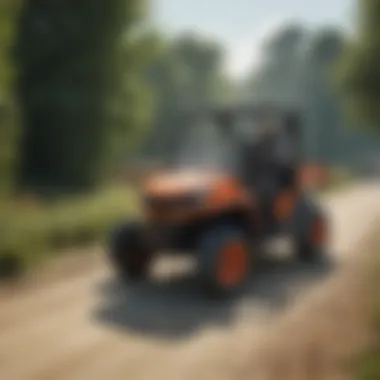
{"points": [[162, 205]]}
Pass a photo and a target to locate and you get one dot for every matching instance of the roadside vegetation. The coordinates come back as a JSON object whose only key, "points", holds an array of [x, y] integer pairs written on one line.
{"points": [[369, 363], [340, 178], [32, 230]]}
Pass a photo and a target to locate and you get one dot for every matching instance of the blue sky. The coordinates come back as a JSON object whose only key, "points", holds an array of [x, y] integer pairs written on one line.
{"points": [[241, 24]]}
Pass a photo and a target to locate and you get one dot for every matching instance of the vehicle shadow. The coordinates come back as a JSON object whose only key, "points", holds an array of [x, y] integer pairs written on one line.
{"points": [[175, 308]]}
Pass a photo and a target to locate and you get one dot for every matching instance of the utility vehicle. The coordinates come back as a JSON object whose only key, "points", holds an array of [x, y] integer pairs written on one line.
{"points": [[221, 202]]}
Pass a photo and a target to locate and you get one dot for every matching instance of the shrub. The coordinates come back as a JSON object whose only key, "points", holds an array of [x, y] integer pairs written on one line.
{"points": [[27, 235]]}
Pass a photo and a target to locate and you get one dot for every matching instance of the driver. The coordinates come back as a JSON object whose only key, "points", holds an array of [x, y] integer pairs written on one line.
{"points": [[285, 158], [276, 158]]}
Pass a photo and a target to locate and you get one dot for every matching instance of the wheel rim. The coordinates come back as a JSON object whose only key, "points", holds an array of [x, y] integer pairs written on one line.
{"points": [[233, 264]]}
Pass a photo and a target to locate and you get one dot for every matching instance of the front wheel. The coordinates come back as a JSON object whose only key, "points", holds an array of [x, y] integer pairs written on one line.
{"points": [[224, 260], [128, 251]]}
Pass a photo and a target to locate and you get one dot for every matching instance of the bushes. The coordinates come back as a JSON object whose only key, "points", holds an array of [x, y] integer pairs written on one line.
{"points": [[28, 234]]}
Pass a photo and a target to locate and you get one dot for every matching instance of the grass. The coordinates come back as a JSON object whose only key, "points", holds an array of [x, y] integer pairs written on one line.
{"points": [[340, 178], [369, 367], [32, 232]]}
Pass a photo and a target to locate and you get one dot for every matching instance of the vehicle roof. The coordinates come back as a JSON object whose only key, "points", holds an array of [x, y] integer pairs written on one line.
{"points": [[249, 109]]}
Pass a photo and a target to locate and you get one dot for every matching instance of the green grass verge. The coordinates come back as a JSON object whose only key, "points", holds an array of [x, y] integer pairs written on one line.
{"points": [[29, 235], [340, 178], [369, 367]]}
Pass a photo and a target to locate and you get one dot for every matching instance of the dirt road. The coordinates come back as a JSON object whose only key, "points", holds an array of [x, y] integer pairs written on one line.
{"points": [[87, 326]]}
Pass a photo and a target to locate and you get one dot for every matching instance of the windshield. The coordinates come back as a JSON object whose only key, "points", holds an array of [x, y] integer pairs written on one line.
{"points": [[204, 145]]}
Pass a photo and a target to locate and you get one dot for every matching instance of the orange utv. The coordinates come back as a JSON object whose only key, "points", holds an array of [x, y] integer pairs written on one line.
{"points": [[223, 200]]}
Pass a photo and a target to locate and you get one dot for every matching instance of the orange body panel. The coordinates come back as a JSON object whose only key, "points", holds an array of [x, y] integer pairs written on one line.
{"points": [[228, 193], [177, 183], [221, 193], [233, 264], [314, 175], [309, 176]]}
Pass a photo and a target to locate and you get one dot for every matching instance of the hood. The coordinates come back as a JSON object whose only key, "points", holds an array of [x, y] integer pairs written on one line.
{"points": [[180, 182]]}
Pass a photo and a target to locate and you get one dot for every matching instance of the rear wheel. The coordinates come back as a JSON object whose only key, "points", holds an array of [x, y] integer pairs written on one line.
{"points": [[129, 253], [311, 235], [224, 260]]}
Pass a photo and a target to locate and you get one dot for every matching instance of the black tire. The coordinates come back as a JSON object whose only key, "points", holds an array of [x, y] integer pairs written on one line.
{"points": [[128, 252], [209, 255], [307, 252], [307, 249]]}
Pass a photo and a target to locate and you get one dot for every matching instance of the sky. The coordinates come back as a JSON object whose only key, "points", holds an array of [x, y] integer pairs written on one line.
{"points": [[242, 24]]}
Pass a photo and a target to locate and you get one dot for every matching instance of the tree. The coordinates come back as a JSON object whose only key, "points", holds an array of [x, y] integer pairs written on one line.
{"points": [[278, 76], [297, 69], [360, 67], [321, 100], [186, 74], [79, 88], [9, 131]]}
